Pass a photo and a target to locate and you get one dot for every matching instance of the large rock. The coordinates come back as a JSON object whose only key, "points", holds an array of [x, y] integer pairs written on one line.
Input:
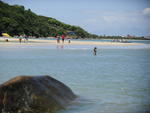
{"points": [[34, 94]]}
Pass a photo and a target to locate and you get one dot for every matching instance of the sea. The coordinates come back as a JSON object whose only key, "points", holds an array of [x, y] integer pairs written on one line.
{"points": [[116, 80]]}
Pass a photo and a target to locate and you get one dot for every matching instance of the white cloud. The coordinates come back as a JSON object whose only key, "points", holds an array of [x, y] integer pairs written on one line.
{"points": [[146, 11], [114, 22], [111, 18]]}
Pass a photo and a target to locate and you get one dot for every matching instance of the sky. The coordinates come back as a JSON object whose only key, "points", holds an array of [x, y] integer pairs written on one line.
{"points": [[101, 17]]}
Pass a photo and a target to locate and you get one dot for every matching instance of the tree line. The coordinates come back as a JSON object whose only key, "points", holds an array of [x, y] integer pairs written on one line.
{"points": [[16, 20]]}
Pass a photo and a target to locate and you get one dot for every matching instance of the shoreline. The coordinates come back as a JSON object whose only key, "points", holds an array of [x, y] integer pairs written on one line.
{"points": [[45, 42], [75, 44]]}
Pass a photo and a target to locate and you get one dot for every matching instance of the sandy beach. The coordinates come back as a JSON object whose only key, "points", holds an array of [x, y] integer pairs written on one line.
{"points": [[46, 42]]}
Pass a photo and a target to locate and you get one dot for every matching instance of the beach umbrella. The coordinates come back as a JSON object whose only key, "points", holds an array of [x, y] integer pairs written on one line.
{"points": [[5, 34]]}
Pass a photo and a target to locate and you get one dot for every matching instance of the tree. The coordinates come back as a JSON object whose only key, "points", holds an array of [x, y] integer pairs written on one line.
{"points": [[16, 20]]}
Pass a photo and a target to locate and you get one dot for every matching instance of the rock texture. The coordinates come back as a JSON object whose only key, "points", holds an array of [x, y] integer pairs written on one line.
{"points": [[34, 94]]}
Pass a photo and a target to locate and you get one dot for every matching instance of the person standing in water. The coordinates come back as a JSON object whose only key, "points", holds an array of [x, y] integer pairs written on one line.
{"points": [[95, 51]]}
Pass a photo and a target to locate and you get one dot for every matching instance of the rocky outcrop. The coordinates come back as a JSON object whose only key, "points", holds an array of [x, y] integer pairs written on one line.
{"points": [[34, 94]]}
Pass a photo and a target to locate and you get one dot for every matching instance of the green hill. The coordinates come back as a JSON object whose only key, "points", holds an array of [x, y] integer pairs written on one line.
{"points": [[15, 20]]}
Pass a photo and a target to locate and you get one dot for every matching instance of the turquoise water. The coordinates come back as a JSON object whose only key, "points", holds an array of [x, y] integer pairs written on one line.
{"points": [[115, 81]]}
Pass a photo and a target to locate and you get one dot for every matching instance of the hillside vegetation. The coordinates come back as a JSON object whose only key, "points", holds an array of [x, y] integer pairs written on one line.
{"points": [[15, 20]]}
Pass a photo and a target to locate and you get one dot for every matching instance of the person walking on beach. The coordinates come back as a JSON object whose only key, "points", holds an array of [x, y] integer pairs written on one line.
{"points": [[95, 51], [63, 38], [69, 40], [26, 38], [58, 39], [20, 39]]}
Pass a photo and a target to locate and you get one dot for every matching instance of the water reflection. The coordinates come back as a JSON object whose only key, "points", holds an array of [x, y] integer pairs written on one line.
{"points": [[60, 46]]}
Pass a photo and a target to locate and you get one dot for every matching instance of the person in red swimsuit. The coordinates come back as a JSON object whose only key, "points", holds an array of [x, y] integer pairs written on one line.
{"points": [[63, 38]]}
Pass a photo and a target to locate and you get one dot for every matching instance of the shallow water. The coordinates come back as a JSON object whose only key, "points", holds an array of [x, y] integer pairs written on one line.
{"points": [[110, 40], [115, 81]]}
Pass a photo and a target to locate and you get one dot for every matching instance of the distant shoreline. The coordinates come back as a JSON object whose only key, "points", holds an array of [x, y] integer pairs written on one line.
{"points": [[46, 42]]}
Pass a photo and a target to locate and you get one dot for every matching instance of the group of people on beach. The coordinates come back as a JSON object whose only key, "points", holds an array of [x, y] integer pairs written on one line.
{"points": [[62, 37], [21, 37], [58, 38]]}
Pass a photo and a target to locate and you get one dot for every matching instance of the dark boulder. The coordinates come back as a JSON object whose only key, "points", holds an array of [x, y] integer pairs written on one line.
{"points": [[34, 94]]}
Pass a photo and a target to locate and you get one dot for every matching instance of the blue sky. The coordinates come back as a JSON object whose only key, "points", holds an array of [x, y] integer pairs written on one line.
{"points": [[109, 17]]}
